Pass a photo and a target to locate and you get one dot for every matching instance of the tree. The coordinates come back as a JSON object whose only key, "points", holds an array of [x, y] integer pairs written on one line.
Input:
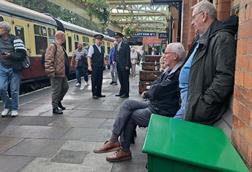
{"points": [[58, 12]]}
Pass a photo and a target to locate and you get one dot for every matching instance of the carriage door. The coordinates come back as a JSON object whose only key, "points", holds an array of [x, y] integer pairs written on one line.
{"points": [[20, 28]]}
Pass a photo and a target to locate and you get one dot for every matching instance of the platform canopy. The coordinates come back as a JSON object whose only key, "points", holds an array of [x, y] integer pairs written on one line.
{"points": [[139, 15]]}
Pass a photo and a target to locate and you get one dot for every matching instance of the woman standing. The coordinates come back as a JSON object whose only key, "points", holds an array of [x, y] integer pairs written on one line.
{"points": [[133, 58]]}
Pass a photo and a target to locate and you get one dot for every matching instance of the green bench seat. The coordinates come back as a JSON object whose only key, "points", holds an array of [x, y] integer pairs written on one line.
{"points": [[174, 145]]}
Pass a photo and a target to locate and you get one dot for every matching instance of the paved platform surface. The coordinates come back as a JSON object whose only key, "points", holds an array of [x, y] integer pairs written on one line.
{"points": [[37, 141]]}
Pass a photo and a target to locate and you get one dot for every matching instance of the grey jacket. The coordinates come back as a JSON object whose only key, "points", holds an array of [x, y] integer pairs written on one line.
{"points": [[211, 75]]}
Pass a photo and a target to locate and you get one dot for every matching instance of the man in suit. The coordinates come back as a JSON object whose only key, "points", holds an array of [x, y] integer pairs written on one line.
{"points": [[123, 64], [95, 64]]}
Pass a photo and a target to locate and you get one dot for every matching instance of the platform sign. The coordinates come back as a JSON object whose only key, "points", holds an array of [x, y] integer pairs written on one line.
{"points": [[146, 34], [162, 35]]}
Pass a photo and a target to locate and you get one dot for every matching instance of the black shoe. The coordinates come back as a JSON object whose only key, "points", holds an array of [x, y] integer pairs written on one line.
{"points": [[61, 106], [57, 111], [95, 97], [124, 96], [101, 95], [118, 95]]}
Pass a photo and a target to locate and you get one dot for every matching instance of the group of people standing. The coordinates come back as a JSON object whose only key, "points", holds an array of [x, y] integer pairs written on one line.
{"points": [[86, 60]]}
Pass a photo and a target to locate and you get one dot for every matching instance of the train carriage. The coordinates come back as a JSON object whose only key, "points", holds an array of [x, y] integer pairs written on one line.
{"points": [[37, 31]]}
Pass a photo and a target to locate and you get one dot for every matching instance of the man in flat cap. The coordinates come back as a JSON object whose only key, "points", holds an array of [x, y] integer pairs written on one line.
{"points": [[123, 64], [95, 64]]}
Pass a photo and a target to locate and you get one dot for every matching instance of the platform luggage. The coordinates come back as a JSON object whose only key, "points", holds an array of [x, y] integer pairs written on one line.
{"points": [[152, 58], [150, 72], [149, 75], [150, 66]]}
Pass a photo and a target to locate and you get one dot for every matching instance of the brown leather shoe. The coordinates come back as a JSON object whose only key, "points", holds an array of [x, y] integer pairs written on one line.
{"points": [[108, 147], [118, 156]]}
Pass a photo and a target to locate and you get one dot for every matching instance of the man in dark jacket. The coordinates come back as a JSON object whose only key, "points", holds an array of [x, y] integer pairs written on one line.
{"points": [[210, 77], [163, 99], [123, 64], [12, 54]]}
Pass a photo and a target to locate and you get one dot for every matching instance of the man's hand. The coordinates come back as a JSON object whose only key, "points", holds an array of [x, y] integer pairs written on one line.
{"points": [[143, 94], [5, 55], [89, 68], [51, 75]]}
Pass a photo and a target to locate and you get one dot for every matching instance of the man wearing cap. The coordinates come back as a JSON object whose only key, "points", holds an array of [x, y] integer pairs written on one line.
{"points": [[123, 64], [95, 64]]}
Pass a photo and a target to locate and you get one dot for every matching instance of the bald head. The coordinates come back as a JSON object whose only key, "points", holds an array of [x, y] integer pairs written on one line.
{"points": [[60, 37]]}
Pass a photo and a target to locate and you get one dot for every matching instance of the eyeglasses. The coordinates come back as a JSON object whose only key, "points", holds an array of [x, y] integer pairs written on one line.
{"points": [[194, 16]]}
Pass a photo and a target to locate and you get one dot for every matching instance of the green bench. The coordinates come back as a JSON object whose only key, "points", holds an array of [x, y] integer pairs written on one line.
{"points": [[174, 145]]}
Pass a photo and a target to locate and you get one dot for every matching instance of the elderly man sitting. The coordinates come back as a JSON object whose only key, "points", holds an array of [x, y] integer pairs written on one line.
{"points": [[163, 98]]}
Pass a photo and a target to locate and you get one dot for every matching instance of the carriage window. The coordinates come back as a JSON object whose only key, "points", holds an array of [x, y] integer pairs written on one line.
{"points": [[51, 35], [40, 38], [76, 38], [70, 44], [19, 32], [85, 39], [1, 18], [76, 41]]}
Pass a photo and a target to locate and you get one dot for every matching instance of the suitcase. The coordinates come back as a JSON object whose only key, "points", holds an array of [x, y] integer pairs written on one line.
{"points": [[150, 66], [143, 86], [152, 58], [149, 75]]}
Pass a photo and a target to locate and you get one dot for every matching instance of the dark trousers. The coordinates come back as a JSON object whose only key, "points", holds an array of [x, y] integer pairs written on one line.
{"points": [[81, 71], [59, 89], [123, 76], [131, 114], [96, 77]]}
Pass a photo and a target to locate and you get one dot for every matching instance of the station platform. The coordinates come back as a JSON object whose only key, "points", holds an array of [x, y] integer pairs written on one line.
{"points": [[37, 141]]}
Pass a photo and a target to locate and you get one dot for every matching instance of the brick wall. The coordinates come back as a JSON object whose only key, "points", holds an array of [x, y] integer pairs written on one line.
{"points": [[242, 102], [223, 9], [188, 32], [174, 13]]}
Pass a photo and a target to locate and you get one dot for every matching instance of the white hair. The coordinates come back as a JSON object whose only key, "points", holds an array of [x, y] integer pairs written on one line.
{"points": [[206, 6], [5, 26], [177, 48]]}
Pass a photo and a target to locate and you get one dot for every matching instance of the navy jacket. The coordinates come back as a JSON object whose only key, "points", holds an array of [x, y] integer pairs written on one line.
{"points": [[123, 56], [164, 93]]}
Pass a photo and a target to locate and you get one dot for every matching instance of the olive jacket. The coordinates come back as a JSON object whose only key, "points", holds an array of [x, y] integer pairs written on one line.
{"points": [[211, 76]]}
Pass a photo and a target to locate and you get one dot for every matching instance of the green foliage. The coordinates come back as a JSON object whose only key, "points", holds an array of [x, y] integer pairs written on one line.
{"points": [[129, 31], [97, 8], [59, 12]]}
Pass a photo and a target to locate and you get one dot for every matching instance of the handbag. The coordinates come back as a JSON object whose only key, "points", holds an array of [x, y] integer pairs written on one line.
{"points": [[26, 63]]}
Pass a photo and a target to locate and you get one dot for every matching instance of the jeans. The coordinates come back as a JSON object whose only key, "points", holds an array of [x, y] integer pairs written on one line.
{"points": [[81, 71], [113, 72], [9, 77], [131, 114], [180, 113]]}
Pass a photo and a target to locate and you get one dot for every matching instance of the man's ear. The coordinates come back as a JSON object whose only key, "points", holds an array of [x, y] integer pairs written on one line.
{"points": [[205, 16], [175, 57]]}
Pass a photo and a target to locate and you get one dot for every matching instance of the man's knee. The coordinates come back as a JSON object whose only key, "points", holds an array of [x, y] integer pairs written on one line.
{"points": [[3, 88]]}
